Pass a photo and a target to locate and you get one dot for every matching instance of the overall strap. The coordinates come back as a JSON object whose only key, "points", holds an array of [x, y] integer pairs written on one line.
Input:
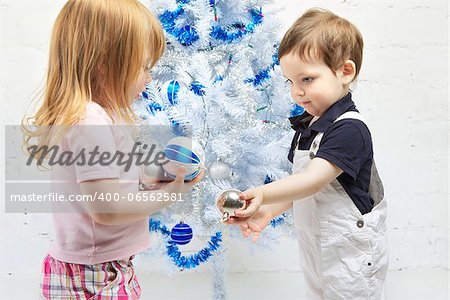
{"points": [[347, 115], [351, 115]]}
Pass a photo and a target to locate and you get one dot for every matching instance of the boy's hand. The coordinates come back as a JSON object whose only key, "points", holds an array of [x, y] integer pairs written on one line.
{"points": [[254, 199], [254, 224]]}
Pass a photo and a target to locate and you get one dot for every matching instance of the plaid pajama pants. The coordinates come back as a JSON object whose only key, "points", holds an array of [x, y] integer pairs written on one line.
{"points": [[115, 280]]}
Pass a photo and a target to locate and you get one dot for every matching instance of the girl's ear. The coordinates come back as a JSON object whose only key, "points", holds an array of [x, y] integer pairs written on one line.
{"points": [[348, 72]]}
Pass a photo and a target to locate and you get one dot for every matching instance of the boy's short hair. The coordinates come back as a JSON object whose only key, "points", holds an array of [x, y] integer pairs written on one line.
{"points": [[320, 34]]}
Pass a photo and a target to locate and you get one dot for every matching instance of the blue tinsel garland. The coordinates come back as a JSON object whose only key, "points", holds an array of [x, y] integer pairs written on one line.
{"points": [[278, 220], [186, 35], [237, 31], [181, 261], [197, 88], [263, 75], [296, 110], [154, 107]]}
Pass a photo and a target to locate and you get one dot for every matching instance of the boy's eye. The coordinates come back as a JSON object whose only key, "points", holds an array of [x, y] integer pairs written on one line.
{"points": [[288, 81], [307, 79]]}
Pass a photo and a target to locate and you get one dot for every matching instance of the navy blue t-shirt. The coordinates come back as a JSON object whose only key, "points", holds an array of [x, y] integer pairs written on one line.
{"points": [[346, 143]]}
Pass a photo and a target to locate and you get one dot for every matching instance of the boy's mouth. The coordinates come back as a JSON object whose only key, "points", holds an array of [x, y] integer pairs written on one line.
{"points": [[304, 103]]}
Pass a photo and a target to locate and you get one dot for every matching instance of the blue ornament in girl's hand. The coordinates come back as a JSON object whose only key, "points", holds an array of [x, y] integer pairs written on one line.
{"points": [[183, 151], [169, 91], [181, 234]]}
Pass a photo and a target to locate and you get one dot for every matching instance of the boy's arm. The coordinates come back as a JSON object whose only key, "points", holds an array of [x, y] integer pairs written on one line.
{"points": [[255, 224], [265, 213], [277, 209], [317, 174]]}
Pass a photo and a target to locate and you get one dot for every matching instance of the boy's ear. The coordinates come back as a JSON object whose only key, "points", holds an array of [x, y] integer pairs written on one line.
{"points": [[348, 71]]}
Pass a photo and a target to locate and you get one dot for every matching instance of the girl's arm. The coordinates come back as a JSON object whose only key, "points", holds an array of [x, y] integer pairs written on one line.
{"points": [[317, 174], [124, 211]]}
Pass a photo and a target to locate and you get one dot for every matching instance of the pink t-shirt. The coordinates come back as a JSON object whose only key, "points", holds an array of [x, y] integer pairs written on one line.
{"points": [[79, 239]]}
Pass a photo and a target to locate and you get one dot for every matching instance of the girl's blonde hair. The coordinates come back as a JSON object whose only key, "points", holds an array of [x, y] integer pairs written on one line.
{"points": [[97, 49]]}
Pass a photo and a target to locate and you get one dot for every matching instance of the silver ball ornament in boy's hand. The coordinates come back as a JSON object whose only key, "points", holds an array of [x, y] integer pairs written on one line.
{"points": [[228, 202]]}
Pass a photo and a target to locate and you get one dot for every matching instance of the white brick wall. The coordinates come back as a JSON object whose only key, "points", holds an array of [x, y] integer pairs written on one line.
{"points": [[402, 90]]}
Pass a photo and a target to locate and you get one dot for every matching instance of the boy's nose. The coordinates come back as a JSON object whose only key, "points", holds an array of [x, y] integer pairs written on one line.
{"points": [[298, 92]]}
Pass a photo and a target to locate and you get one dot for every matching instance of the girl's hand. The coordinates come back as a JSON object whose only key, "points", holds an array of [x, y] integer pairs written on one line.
{"points": [[178, 186], [254, 198], [255, 224]]}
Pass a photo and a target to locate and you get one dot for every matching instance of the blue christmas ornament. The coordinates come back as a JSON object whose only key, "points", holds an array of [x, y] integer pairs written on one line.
{"points": [[169, 91], [180, 260], [181, 234], [182, 151]]}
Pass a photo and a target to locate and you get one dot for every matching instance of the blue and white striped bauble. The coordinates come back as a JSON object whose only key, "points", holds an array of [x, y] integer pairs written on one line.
{"points": [[169, 91], [185, 152], [181, 234]]}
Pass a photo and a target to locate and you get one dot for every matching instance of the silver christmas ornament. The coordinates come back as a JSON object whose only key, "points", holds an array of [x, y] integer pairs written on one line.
{"points": [[219, 171], [228, 202]]}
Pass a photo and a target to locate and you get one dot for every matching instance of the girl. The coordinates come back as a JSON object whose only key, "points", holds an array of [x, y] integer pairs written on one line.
{"points": [[100, 55]]}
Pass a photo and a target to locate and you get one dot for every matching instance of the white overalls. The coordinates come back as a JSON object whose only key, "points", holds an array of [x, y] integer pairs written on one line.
{"points": [[343, 254]]}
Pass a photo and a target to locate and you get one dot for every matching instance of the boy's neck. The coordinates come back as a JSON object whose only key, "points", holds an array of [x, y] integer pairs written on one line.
{"points": [[346, 91]]}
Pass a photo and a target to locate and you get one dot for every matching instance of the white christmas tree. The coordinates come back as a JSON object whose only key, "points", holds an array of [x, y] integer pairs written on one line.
{"points": [[220, 82]]}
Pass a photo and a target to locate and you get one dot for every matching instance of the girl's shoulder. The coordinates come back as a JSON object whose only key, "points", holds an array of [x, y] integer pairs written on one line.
{"points": [[95, 115]]}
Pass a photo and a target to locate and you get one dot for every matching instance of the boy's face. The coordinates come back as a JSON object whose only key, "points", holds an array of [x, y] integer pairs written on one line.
{"points": [[313, 85]]}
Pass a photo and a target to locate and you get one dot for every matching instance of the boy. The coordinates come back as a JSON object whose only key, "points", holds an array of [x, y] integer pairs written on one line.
{"points": [[335, 191]]}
